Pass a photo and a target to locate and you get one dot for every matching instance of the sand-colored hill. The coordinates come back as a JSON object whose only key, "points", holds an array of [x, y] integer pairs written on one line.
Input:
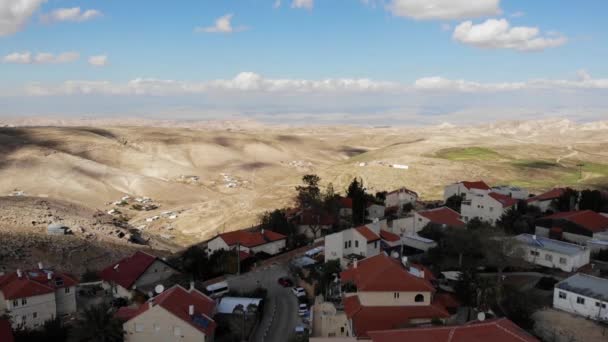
{"points": [[217, 179]]}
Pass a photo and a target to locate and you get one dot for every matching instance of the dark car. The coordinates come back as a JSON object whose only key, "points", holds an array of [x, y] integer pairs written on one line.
{"points": [[285, 282]]}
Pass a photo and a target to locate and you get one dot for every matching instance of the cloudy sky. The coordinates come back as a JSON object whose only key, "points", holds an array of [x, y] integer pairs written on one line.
{"points": [[359, 61]]}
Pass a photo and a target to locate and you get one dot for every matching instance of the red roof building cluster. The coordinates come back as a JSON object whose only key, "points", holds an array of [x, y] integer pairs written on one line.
{"points": [[251, 239], [177, 301], [504, 200], [443, 215], [367, 233], [33, 283], [480, 185], [587, 219], [388, 236], [403, 190], [497, 330], [126, 272], [547, 196]]}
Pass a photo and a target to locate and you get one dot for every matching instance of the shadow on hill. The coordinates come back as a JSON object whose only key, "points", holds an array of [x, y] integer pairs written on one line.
{"points": [[14, 139], [352, 151]]}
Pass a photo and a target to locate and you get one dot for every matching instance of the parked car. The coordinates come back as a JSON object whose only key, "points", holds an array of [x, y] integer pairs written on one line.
{"points": [[302, 309], [298, 292], [285, 282]]}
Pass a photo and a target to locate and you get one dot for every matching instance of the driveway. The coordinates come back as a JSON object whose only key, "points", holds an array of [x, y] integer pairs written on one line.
{"points": [[281, 308]]}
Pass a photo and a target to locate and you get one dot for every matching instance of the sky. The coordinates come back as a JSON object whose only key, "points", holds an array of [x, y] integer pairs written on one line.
{"points": [[364, 62]]}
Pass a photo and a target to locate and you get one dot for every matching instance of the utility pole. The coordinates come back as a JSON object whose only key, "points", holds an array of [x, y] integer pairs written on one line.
{"points": [[238, 258], [580, 170]]}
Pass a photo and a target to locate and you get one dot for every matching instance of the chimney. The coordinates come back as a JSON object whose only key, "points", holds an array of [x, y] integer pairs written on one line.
{"points": [[191, 285], [19, 274], [404, 261], [262, 231], [40, 266], [355, 263], [191, 310], [49, 275]]}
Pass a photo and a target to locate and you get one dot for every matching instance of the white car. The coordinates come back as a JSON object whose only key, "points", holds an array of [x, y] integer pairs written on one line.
{"points": [[299, 292], [302, 309]]}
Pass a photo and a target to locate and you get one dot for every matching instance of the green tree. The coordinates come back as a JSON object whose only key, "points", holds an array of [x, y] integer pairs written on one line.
{"points": [[52, 330], [567, 201], [97, 324], [195, 262], [356, 191], [309, 194], [453, 202], [326, 275], [591, 200]]}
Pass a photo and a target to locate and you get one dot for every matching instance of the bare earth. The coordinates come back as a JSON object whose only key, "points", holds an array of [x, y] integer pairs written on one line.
{"points": [[217, 178]]}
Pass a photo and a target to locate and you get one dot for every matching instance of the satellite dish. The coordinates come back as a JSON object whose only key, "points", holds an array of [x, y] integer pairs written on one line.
{"points": [[481, 316], [395, 255], [159, 289]]}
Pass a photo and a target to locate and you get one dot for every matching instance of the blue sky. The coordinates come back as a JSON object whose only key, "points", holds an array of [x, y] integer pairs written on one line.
{"points": [[305, 57]]}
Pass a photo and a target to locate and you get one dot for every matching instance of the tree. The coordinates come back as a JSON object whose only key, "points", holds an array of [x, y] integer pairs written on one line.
{"points": [[453, 202], [327, 275], [97, 324], [195, 262], [567, 201], [52, 330], [309, 194], [591, 200], [356, 192]]}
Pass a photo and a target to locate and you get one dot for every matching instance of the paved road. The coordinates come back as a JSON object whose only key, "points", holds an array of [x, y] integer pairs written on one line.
{"points": [[281, 308]]}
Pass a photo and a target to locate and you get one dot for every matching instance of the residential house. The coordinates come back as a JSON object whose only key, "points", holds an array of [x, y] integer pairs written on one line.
{"points": [[583, 295], [575, 226], [353, 243], [174, 315], [411, 225], [374, 211], [330, 322], [544, 200], [6, 332], [141, 272], [551, 253], [382, 293], [312, 224], [389, 240], [488, 207], [511, 191], [465, 189], [495, 330], [400, 197], [345, 205], [33, 297], [249, 242]]}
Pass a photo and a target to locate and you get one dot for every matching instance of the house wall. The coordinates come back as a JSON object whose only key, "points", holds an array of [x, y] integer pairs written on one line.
{"points": [[576, 238], [156, 273], [42, 306], [373, 248], [216, 244], [459, 189], [349, 241], [403, 226], [334, 246], [542, 205], [158, 326], [390, 299], [333, 325], [375, 211], [399, 199], [572, 262], [419, 223], [484, 207], [65, 299], [271, 248], [116, 290], [588, 309]]}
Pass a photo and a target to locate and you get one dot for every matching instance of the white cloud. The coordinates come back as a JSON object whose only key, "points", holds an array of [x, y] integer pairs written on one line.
{"points": [[223, 24], [41, 58], [15, 13], [306, 4], [444, 9], [277, 4], [498, 34], [74, 14], [518, 14], [249, 82], [98, 61]]}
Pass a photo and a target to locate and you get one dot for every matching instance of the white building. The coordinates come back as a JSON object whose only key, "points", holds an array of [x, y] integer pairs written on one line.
{"points": [[32, 297], [400, 197], [544, 200], [465, 189], [175, 315], [553, 253], [575, 226], [583, 295], [511, 191], [141, 272], [375, 211], [412, 224], [488, 207], [360, 242], [250, 243]]}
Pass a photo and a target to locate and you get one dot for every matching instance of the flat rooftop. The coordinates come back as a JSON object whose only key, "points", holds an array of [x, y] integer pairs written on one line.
{"points": [[550, 244], [586, 285]]}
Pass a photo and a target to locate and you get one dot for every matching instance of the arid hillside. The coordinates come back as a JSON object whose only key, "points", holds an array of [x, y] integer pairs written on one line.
{"points": [[206, 179]]}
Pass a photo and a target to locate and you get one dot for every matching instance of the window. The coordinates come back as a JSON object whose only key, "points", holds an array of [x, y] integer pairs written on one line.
{"points": [[597, 304], [177, 331], [419, 298], [67, 290], [139, 327], [15, 303], [23, 318], [35, 314], [357, 243], [156, 327], [345, 244], [535, 253], [580, 300], [562, 295], [376, 244], [563, 261], [548, 257], [342, 330], [350, 243], [396, 295], [491, 209], [24, 301]]}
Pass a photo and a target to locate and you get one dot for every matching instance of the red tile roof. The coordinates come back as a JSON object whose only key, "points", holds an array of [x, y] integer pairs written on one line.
{"points": [[388, 236], [367, 233], [251, 239], [505, 200], [382, 273], [549, 195], [372, 318], [308, 218], [34, 283], [346, 202], [498, 330], [126, 272], [405, 190], [443, 215], [587, 219], [481, 185], [6, 333], [177, 301]]}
